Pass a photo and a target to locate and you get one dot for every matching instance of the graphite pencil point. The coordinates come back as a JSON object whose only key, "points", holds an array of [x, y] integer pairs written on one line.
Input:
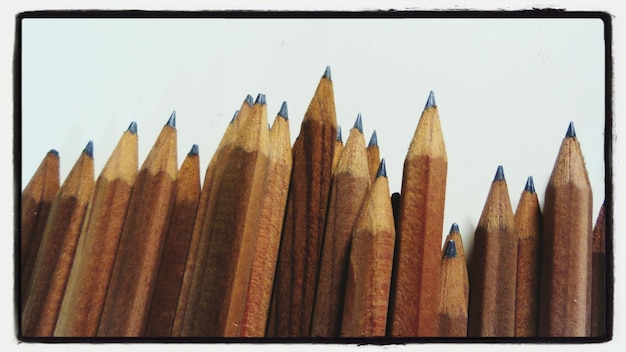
{"points": [[570, 130], [499, 174], [358, 124], [132, 128], [234, 116], [450, 251], [339, 139], [194, 150], [249, 100], [54, 152], [382, 169], [454, 228], [430, 103], [530, 185], [172, 119], [260, 99], [89, 149], [327, 73], [283, 111], [373, 140]]}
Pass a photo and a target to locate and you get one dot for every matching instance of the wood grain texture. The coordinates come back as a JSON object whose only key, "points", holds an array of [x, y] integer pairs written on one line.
{"points": [[373, 155], [598, 276], [453, 306]]}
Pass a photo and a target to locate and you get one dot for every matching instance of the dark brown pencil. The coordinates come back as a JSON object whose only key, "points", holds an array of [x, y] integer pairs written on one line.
{"points": [[454, 290], [565, 287], [57, 248], [598, 276], [373, 155], [174, 257]]}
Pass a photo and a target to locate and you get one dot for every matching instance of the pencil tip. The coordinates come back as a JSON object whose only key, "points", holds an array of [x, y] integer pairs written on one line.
{"points": [[249, 100], [570, 130], [430, 103], [358, 124], [530, 185], [172, 120], [454, 228], [382, 170], [450, 251], [327, 73], [54, 152], [499, 174], [89, 149], [132, 128], [234, 116], [283, 111], [260, 99], [339, 139], [194, 150], [373, 140]]}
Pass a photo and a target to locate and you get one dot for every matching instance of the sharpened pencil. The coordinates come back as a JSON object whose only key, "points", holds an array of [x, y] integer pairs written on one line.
{"points": [[373, 155], [598, 277], [454, 290], [338, 149]]}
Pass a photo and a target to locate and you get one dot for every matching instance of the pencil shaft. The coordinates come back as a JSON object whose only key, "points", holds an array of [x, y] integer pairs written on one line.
{"points": [[453, 305], [598, 275], [373, 159]]}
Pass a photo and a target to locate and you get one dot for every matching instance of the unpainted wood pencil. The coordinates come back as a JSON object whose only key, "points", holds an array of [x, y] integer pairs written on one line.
{"points": [[270, 228], [416, 285], [87, 285], [371, 260], [454, 290], [338, 149], [176, 247], [349, 188], [373, 154], [57, 248], [135, 269], [565, 287], [528, 228], [298, 257], [455, 235], [598, 277], [36, 201], [494, 265]]}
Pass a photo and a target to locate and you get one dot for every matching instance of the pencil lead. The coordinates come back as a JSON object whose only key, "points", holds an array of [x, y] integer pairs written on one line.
{"points": [[172, 120], [234, 116], [54, 152], [430, 103], [358, 124], [499, 174], [327, 73], [260, 99], [194, 150], [454, 228], [570, 131], [530, 185], [373, 140], [249, 100], [283, 111], [382, 170], [450, 251], [89, 149], [339, 139], [132, 128]]}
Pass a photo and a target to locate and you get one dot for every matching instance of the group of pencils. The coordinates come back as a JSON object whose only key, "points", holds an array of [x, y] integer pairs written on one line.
{"points": [[302, 241]]}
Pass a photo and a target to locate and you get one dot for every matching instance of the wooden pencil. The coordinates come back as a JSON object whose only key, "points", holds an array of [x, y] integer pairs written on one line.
{"points": [[350, 185], [176, 247], [454, 289], [371, 260], [565, 287], [36, 201], [338, 149], [455, 235], [598, 277], [135, 269], [233, 231], [494, 265], [528, 228], [84, 296], [373, 154], [298, 257], [416, 285], [270, 228], [57, 248]]}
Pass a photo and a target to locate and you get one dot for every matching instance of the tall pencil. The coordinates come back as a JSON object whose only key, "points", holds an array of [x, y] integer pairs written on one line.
{"points": [[528, 228], [565, 288], [296, 271], [57, 248], [371, 259], [373, 154], [95, 253], [492, 278], [270, 228], [598, 276], [36, 201], [349, 187], [135, 269], [174, 257], [416, 285], [454, 293]]}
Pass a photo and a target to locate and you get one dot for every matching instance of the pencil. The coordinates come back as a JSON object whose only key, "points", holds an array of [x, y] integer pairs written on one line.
{"points": [[174, 257], [135, 269], [95, 253], [416, 285], [270, 228], [373, 154], [296, 271], [494, 265], [455, 235], [338, 149], [528, 228], [36, 200], [349, 187], [57, 248], [598, 276], [371, 259], [565, 287], [454, 289]]}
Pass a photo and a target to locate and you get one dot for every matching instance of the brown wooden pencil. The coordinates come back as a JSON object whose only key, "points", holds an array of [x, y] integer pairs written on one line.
{"points": [[95, 253], [270, 228], [373, 155], [598, 276], [416, 285], [140, 246], [494, 264], [338, 149], [565, 287], [454, 293], [298, 257], [36, 200], [455, 235], [371, 260], [174, 257], [350, 185], [57, 248], [528, 228]]}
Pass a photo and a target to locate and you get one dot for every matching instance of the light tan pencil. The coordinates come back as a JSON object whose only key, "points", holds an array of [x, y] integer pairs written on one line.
{"points": [[338, 149], [598, 276], [57, 248], [373, 155], [454, 288]]}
